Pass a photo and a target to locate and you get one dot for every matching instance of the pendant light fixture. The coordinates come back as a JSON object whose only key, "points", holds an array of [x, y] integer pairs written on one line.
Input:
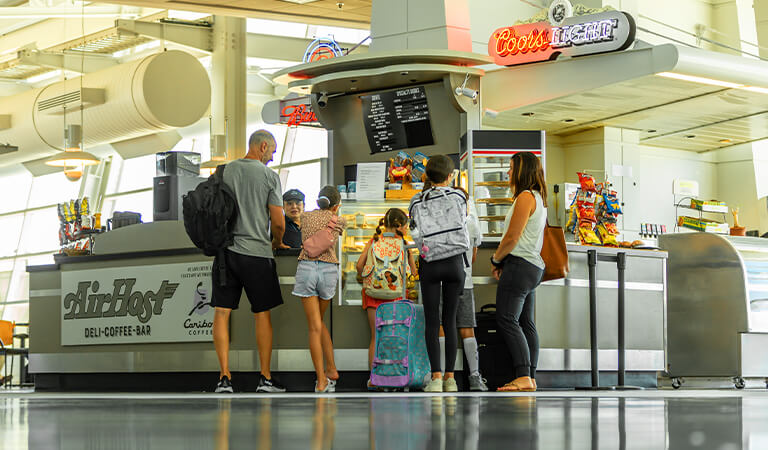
{"points": [[73, 158]]}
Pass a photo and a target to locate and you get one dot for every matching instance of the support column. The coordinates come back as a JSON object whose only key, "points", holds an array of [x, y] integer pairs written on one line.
{"points": [[228, 115], [420, 24]]}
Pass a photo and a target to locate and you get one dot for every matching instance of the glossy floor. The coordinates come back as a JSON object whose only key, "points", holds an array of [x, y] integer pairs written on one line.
{"points": [[722, 420]]}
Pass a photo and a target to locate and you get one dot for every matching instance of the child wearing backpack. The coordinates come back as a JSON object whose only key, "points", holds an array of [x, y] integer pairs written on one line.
{"points": [[317, 275], [439, 227], [382, 267]]}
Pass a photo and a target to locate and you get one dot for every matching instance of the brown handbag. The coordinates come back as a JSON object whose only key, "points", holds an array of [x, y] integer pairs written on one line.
{"points": [[554, 253]]}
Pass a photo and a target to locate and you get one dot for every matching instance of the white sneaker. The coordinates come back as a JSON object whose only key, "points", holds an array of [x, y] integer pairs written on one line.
{"points": [[449, 385], [435, 385]]}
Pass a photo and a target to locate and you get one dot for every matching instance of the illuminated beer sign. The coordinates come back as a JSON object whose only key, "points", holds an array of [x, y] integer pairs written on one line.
{"points": [[577, 36]]}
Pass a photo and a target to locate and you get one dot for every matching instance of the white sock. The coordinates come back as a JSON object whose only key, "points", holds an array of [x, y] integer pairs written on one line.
{"points": [[441, 340], [473, 358]]}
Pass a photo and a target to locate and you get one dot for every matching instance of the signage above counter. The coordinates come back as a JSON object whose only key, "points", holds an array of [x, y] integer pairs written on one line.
{"points": [[397, 119], [603, 32]]}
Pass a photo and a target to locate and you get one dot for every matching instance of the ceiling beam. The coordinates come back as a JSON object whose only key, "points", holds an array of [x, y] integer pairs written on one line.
{"points": [[199, 37], [80, 63]]}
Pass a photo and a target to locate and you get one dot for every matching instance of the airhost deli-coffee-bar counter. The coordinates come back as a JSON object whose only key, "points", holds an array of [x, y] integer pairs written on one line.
{"points": [[136, 315]]}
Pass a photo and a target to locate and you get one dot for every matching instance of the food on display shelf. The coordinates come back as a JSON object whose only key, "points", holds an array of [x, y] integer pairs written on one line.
{"points": [[420, 158], [606, 236], [637, 243], [418, 173], [625, 244], [588, 235]]}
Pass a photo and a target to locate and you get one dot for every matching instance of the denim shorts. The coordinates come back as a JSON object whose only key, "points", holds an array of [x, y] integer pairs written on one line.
{"points": [[316, 278]]}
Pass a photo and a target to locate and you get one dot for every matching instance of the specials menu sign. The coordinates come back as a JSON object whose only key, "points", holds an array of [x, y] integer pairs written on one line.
{"points": [[603, 32], [137, 304]]}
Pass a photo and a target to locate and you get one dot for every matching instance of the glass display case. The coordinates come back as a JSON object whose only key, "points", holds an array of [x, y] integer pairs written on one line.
{"points": [[484, 164], [362, 218]]}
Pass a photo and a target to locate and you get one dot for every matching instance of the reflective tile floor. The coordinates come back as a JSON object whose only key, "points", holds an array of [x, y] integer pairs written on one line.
{"points": [[721, 420]]}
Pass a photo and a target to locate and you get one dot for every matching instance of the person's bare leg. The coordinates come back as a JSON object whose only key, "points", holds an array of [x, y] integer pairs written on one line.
{"points": [[315, 326], [263, 323], [330, 361], [221, 339]]}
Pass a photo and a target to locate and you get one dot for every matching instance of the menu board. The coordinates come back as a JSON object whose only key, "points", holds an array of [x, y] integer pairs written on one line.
{"points": [[397, 119]]}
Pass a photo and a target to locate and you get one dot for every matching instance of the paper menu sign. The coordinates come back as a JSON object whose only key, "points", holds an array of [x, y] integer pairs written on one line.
{"points": [[370, 180]]}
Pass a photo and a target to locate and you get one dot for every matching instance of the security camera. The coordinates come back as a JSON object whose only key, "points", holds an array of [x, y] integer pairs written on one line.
{"points": [[340, 4], [467, 92], [323, 100]]}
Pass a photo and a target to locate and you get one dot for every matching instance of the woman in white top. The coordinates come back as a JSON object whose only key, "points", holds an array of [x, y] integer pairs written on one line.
{"points": [[519, 268]]}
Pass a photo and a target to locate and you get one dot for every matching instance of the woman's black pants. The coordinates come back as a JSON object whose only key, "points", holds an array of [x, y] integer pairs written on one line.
{"points": [[446, 275], [515, 308]]}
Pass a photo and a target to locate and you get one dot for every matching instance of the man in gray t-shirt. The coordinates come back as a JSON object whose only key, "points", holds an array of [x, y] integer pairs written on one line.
{"points": [[250, 264]]}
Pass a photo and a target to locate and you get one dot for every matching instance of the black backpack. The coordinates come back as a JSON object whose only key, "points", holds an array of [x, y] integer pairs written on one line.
{"points": [[210, 213]]}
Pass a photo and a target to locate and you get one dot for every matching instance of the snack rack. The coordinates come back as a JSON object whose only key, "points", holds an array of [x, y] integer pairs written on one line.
{"points": [[485, 158], [77, 227], [698, 222]]}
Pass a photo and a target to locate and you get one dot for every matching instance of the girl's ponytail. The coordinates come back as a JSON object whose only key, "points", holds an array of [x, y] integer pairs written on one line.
{"points": [[378, 229]]}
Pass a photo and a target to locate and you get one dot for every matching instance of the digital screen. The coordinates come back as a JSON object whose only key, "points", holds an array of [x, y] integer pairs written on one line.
{"points": [[397, 119]]}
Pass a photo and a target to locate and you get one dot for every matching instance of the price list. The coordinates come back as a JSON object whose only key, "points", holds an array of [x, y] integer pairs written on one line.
{"points": [[397, 119]]}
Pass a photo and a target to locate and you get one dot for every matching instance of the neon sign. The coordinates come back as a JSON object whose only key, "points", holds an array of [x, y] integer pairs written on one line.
{"points": [[322, 48], [294, 115], [577, 36]]}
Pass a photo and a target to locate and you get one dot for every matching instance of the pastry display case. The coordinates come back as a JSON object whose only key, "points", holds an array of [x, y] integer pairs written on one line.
{"points": [[484, 164], [362, 218]]}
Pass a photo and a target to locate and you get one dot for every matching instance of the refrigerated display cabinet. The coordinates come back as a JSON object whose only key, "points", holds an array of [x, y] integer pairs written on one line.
{"points": [[717, 307]]}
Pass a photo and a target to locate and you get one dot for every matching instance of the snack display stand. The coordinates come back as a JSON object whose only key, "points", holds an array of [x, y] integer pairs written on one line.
{"points": [[699, 222]]}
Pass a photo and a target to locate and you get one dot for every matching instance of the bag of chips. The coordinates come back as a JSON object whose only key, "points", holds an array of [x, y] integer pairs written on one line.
{"points": [[587, 182], [401, 159], [588, 235], [417, 172], [612, 205]]}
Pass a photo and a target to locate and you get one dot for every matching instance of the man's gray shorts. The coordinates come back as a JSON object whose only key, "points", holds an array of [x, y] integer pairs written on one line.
{"points": [[465, 315]]}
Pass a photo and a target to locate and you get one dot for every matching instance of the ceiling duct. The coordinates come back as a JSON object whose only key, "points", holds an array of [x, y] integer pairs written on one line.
{"points": [[56, 105], [161, 92]]}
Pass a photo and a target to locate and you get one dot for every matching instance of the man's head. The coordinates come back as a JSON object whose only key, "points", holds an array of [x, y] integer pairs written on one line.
{"points": [[261, 146], [293, 204]]}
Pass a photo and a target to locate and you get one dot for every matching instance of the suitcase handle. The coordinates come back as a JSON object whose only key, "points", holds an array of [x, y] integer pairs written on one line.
{"points": [[487, 307]]}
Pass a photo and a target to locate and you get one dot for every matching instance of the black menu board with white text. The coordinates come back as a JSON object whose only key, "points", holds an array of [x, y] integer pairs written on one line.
{"points": [[397, 119]]}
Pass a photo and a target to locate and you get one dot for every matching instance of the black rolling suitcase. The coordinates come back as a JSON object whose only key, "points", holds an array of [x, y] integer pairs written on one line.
{"points": [[495, 360]]}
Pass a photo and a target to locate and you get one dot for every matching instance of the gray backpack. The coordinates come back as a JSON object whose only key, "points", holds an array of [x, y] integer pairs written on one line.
{"points": [[439, 223]]}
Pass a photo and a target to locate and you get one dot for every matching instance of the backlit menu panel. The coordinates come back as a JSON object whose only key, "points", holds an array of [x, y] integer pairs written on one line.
{"points": [[397, 119]]}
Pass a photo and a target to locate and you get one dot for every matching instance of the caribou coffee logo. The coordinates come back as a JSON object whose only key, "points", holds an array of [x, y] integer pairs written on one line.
{"points": [[123, 301]]}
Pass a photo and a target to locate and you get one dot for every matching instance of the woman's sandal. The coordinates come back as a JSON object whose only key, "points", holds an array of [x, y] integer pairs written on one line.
{"points": [[517, 386]]}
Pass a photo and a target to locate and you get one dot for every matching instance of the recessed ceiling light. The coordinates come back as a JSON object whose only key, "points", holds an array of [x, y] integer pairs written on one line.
{"points": [[690, 136], [651, 131], [403, 73], [300, 2], [568, 120], [528, 114], [725, 141]]}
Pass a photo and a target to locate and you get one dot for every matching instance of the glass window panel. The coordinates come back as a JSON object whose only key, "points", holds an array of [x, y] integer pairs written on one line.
{"points": [[40, 232], [310, 143], [276, 27], [346, 35], [305, 178], [5, 281], [10, 230], [17, 313], [19, 287], [51, 189], [18, 184], [137, 173], [114, 175], [141, 202]]}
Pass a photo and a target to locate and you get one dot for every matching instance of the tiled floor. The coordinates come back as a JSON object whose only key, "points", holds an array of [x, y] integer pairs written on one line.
{"points": [[721, 420]]}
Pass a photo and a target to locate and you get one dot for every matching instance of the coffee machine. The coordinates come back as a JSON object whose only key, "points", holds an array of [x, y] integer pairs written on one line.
{"points": [[176, 174]]}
